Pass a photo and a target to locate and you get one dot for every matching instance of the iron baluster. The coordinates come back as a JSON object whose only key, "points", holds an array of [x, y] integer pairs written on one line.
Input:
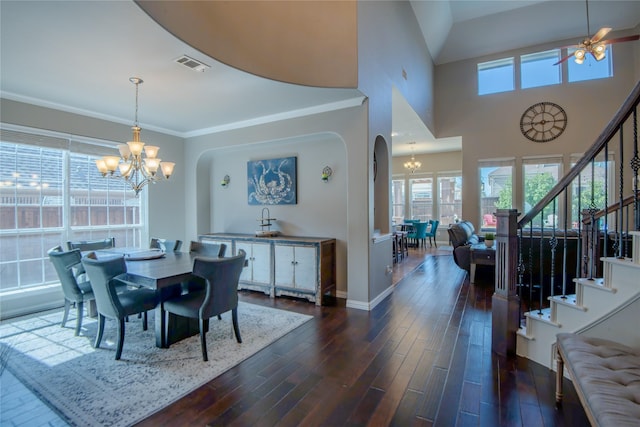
{"points": [[564, 249], [540, 272], [553, 243], [621, 192]]}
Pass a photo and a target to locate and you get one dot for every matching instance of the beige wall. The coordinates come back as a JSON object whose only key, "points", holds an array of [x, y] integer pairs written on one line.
{"points": [[389, 42], [489, 124], [323, 209]]}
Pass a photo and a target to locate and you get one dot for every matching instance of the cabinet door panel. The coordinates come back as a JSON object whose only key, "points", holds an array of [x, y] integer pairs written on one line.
{"points": [[305, 268], [284, 265], [262, 263], [246, 271]]}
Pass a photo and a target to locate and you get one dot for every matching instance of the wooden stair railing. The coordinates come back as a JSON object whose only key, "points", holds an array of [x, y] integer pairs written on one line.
{"points": [[525, 279]]}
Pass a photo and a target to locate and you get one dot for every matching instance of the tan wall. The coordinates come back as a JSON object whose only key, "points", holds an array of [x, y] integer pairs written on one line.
{"points": [[490, 124]]}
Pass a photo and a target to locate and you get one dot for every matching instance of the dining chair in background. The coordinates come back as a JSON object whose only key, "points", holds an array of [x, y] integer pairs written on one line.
{"points": [[432, 232], [68, 266], [92, 245], [165, 245], [419, 233], [103, 275], [209, 250], [220, 294], [212, 250]]}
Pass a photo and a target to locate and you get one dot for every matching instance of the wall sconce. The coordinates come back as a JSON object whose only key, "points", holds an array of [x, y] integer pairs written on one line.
{"points": [[225, 181], [326, 173]]}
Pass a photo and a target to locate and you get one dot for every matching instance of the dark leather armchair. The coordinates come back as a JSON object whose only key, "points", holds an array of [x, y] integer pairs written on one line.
{"points": [[165, 245], [103, 275], [68, 265], [92, 245], [221, 276], [462, 236]]}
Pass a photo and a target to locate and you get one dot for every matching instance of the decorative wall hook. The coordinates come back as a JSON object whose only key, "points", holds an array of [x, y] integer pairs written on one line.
{"points": [[225, 181], [326, 173]]}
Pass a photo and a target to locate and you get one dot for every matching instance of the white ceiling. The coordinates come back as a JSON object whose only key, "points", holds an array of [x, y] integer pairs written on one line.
{"points": [[78, 56]]}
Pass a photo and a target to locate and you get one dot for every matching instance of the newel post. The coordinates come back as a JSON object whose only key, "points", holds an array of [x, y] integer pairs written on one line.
{"points": [[505, 302]]}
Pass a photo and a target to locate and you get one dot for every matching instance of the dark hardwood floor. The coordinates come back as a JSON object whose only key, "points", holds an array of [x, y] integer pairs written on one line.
{"points": [[422, 357]]}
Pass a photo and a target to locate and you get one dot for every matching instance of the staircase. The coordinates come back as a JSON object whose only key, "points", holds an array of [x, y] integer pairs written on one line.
{"points": [[602, 303], [535, 296]]}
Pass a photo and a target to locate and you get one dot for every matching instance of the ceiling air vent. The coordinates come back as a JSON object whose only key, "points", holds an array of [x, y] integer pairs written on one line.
{"points": [[194, 64]]}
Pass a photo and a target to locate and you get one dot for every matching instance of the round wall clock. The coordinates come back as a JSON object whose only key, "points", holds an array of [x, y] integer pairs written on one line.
{"points": [[543, 122]]}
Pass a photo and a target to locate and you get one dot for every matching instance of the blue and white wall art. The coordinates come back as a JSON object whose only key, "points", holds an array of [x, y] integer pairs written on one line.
{"points": [[272, 181]]}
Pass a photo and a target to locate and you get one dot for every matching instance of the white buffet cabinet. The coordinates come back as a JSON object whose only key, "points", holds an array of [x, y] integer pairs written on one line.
{"points": [[302, 267]]}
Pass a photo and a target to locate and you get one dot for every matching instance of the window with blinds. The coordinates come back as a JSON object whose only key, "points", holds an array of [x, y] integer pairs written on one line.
{"points": [[421, 197], [51, 192], [449, 197]]}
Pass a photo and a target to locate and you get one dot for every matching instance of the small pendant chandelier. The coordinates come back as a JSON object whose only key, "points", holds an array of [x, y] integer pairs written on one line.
{"points": [[413, 164], [138, 163]]}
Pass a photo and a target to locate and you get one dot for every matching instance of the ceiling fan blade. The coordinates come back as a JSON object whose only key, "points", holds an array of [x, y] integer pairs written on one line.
{"points": [[622, 39], [563, 59], [600, 34]]}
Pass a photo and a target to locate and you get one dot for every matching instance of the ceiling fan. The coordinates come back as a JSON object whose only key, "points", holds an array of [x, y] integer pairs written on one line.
{"points": [[594, 45]]}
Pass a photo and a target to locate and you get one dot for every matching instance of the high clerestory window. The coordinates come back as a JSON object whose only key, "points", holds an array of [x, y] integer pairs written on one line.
{"points": [[538, 69]]}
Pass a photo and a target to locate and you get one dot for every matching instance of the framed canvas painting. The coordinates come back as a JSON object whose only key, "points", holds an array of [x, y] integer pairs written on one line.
{"points": [[272, 181]]}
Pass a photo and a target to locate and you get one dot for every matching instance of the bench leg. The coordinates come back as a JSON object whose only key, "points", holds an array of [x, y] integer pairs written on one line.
{"points": [[559, 377]]}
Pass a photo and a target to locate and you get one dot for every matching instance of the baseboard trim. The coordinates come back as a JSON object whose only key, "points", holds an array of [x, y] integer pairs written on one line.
{"points": [[368, 306]]}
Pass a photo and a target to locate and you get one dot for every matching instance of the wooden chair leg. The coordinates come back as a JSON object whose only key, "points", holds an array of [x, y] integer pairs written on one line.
{"points": [[67, 305], [120, 339], [100, 330], [79, 313], [559, 377], [236, 329], [203, 339]]}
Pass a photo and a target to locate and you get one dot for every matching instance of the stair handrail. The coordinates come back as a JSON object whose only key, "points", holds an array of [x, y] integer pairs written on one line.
{"points": [[607, 134], [629, 200]]}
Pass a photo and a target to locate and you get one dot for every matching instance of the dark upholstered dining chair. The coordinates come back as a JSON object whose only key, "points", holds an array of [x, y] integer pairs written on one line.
{"points": [[209, 250], [92, 245], [103, 275], [68, 266], [165, 245], [221, 276]]}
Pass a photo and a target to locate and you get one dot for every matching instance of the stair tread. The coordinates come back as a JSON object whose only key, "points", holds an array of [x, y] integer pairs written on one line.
{"points": [[543, 315], [568, 300], [621, 261], [596, 282]]}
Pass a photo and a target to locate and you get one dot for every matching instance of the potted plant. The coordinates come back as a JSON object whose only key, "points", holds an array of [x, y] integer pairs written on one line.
{"points": [[489, 239]]}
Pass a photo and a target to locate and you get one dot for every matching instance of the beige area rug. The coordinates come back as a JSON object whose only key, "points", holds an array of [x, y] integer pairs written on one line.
{"points": [[89, 388]]}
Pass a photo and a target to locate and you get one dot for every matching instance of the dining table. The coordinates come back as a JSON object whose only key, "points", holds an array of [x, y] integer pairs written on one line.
{"points": [[163, 272]]}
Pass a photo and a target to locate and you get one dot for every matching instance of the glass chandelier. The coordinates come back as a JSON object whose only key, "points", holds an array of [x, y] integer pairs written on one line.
{"points": [[413, 164], [138, 163]]}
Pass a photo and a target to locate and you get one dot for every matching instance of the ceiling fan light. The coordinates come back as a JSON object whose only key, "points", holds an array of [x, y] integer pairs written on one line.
{"points": [[579, 54], [599, 52]]}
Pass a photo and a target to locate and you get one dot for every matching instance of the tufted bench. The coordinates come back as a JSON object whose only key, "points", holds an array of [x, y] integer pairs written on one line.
{"points": [[606, 376]]}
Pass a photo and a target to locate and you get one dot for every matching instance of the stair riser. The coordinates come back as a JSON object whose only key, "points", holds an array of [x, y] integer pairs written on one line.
{"points": [[599, 303]]}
